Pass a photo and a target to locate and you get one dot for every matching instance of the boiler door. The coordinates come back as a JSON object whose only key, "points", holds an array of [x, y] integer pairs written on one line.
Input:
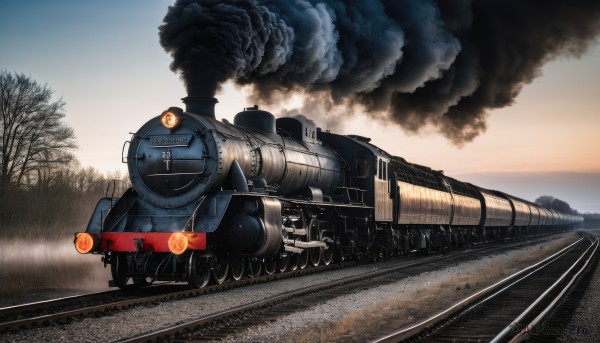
{"points": [[170, 165]]}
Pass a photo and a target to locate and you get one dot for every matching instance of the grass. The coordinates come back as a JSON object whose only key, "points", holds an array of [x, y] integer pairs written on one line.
{"points": [[410, 307], [28, 266]]}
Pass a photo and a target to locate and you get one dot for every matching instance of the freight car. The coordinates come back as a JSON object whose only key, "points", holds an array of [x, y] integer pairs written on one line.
{"points": [[211, 200]]}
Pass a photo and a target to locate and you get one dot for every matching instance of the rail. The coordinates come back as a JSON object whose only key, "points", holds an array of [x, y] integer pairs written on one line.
{"points": [[519, 322]]}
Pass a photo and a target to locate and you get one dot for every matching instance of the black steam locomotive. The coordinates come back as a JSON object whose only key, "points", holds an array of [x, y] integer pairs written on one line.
{"points": [[215, 200]]}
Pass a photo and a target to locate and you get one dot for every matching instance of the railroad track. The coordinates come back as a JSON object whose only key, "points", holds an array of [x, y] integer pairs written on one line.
{"points": [[65, 309], [511, 309], [557, 324], [59, 310], [41, 308], [224, 323]]}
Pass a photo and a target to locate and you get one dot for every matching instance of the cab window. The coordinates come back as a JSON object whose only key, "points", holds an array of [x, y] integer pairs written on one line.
{"points": [[362, 165], [385, 170], [382, 170]]}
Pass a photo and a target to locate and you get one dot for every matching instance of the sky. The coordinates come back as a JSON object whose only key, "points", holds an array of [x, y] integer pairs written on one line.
{"points": [[103, 58]]}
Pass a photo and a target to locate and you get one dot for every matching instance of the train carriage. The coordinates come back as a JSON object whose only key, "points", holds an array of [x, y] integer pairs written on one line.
{"points": [[496, 214], [522, 214]]}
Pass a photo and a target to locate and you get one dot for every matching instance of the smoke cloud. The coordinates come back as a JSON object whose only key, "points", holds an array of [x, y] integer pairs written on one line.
{"points": [[418, 63]]}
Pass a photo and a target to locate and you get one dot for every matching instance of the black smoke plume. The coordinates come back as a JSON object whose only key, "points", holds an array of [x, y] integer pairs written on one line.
{"points": [[416, 62]]}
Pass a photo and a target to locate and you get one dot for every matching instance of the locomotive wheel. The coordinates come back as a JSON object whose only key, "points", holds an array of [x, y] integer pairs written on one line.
{"points": [[269, 265], [199, 271], [326, 254], [118, 269], [283, 262], [236, 266], [314, 254], [220, 270], [254, 267], [293, 265], [303, 259]]}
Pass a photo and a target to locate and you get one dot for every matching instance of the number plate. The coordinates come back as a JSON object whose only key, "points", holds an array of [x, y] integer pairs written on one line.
{"points": [[170, 141]]}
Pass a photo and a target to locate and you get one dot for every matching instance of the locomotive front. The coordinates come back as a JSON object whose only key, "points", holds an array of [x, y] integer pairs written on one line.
{"points": [[171, 159], [190, 210]]}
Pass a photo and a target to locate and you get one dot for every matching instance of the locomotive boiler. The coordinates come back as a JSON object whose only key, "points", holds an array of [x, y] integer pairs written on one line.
{"points": [[212, 200]]}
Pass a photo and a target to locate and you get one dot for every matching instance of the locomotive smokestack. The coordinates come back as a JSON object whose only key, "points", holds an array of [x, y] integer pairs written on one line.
{"points": [[203, 105]]}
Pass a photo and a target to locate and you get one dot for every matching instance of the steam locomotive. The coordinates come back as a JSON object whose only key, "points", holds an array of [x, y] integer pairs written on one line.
{"points": [[211, 200]]}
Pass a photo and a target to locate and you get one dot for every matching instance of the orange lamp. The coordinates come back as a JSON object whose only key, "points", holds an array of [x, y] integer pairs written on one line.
{"points": [[84, 243], [169, 119], [178, 243]]}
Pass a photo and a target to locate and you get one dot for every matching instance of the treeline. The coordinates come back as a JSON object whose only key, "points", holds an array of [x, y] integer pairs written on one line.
{"points": [[58, 203], [556, 204], [590, 220]]}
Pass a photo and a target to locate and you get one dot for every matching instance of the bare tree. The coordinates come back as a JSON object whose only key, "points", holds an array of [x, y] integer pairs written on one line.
{"points": [[545, 200], [555, 204], [33, 138]]}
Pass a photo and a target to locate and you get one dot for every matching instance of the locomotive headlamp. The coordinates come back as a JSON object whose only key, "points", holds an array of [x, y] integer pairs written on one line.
{"points": [[178, 243], [169, 119], [84, 243]]}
